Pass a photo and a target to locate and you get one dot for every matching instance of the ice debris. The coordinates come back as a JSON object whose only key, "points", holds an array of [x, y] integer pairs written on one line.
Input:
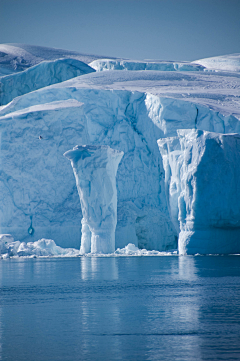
{"points": [[95, 169], [48, 248], [40, 248]]}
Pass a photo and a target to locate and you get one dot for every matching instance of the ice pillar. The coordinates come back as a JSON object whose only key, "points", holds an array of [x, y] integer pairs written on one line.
{"points": [[95, 169], [202, 179]]}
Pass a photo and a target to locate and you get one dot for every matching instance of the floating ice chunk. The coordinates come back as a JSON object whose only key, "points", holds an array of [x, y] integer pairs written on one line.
{"points": [[44, 247], [132, 250], [95, 169], [48, 248], [40, 248], [5, 239], [203, 184]]}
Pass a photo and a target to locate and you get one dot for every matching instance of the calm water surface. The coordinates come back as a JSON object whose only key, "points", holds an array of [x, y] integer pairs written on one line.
{"points": [[133, 308]]}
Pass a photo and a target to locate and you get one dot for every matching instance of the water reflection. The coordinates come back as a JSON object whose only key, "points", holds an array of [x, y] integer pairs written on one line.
{"points": [[174, 311], [1, 328], [138, 308], [186, 268], [96, 268]]}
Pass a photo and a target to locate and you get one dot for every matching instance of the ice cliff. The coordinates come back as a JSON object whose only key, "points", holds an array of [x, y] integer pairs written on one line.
{"points": [[118, 64], [125, 110], [95, 169], [203, 188], [36, 180]]}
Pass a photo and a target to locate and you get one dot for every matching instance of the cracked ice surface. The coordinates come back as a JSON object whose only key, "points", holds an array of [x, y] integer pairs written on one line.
{"points": [[202, 183], [95, 169]]}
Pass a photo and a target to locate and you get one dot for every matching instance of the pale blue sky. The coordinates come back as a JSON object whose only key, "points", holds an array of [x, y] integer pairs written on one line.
{"points": [[137, 29]]}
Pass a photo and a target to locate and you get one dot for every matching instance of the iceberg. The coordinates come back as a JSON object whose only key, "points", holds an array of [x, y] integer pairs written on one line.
{"points": [[203, 187], [125, 110], [95, 169], [37, 181]]}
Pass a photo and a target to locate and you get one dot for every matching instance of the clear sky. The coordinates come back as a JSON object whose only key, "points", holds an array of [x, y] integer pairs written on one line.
{"points": [[137, 29]]}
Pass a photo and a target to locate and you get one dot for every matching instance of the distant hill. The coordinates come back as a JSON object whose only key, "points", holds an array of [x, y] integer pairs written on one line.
{"points": [[19, 57]]}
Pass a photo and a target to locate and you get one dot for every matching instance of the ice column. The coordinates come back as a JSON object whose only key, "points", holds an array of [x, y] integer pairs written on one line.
{"points": [[95, 169], [202, 179]]}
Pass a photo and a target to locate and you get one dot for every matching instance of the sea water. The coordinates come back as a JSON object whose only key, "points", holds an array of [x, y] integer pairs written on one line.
{"points": [[120, 308]]}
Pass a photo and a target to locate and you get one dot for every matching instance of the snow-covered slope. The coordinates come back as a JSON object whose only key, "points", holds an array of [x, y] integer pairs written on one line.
{"points": [[225, 62], [219, 92], [126, 110], [19, 57], [39, 76]]}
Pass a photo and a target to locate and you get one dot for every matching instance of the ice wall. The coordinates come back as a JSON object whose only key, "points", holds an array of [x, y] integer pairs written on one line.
{"points": [[39, 76], [203, 185], [36, 180], [118, 64], [95, 169]]}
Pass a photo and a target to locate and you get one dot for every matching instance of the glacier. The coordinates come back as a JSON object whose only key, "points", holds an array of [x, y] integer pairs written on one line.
{"points": [[95, 169], [202, 183], [36, 181], [39, 76], [128, 111], [15, 58]]}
